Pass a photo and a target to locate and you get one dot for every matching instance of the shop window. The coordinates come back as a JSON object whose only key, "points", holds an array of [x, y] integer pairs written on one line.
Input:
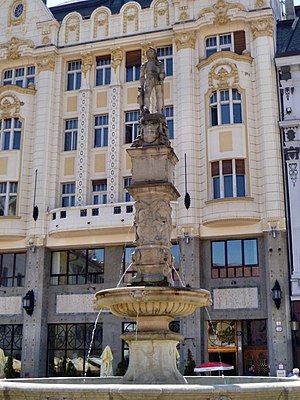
{"points": [[12, 269], [234, 258], [68, 346], [11, 343], [77, 267]]}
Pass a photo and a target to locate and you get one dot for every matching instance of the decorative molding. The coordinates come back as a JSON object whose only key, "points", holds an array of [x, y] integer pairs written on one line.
{"points": [[101, 20], [245, 57], [87, 63], [30, 90], [260, 3], [12, 20], [185, 40], [13, 47], [72, 25], [116, 57], [46, 62], [161, 8], [220, 9], [223, 75], [10, 106], [293, 172], [262, 27], [145, 47], [131, 14], [291, 153], [274, 223]]}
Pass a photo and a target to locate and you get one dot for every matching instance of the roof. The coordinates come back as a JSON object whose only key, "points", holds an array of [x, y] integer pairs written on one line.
{"points": [[288, 36], [86, 7]]}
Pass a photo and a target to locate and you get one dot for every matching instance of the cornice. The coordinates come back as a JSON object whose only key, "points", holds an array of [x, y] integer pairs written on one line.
{"points": [[222, 55], [14, 88]]}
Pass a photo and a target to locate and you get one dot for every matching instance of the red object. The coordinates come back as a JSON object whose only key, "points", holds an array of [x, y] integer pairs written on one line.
{"points": [[213, 366]]}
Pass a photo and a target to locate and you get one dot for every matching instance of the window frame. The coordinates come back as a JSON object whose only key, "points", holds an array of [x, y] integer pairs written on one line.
{"points": [[101, 129], [103, 70], [67, 194], [132, 123], [23, 80], [221, 180], [168, 112], [227, 270], [73, 75], [133, 62], [225, 107], [71, 134], [99, 191], [16, 278], [10, 136], [127, 180], [64, 274], [165, 55], [218, 46], [9, 192]]}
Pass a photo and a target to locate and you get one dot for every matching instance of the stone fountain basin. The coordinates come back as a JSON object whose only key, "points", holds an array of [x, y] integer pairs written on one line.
{"points": [[152, 307]]}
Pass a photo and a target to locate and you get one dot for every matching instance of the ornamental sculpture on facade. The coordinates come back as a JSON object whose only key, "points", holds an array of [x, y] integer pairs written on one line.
{"points": [[13, 47], [220, 9]]}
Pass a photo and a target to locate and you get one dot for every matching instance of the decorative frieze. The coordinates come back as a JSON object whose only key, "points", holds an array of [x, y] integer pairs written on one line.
{"points": [[223, 75], [14, 45], [220, 10], [46, 62], [131, 18], [72, 25], [161, 9], [101, 22], [116, 58], [185, 40], [10, 106], [293, 172], [262, 27]]}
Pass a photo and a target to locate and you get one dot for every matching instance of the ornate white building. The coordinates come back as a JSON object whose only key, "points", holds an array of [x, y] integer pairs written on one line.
{"points": [[68, 112]]}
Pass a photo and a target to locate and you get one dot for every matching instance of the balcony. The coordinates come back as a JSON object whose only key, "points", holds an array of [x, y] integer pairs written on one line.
{"points": [[76, 220]]}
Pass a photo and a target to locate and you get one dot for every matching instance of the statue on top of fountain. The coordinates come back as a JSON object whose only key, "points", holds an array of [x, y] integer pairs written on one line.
{"points": [[153, 128]]}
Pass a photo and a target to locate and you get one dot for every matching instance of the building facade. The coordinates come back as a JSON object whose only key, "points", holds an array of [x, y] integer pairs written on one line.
{"points": [[68, 112], [287, 62]]}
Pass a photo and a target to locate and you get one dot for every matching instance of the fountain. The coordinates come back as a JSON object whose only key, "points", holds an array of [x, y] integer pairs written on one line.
{"points": [[150, 299]]}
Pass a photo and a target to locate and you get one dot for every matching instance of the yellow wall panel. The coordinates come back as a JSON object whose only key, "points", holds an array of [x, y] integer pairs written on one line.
{"points": [[128, 161], [69, 166], [167, 90], [100, 161], [225, 141], [101, 100], [72, 104], [3, 165], [132, 95]]}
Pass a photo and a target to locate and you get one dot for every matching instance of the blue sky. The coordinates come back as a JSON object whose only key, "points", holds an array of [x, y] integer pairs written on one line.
{"points": [[52, 3]]}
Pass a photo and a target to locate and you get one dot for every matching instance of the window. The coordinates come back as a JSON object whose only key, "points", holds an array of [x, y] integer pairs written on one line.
{"points": [[11, 343], [71, 129], [74, 75], [103, 70], [12, 269], [100, 192], [128, 272], [77, 267], [127, 197], [235, 41], [101, 131], [133, 65], [165, 54], [8, 198], [19, 76], [127, 327], [68, 346], [168, 113], [175, 249], [225, 107], [131, 125], [228, 178], [234, 258], [10, 134], [68, 194]]}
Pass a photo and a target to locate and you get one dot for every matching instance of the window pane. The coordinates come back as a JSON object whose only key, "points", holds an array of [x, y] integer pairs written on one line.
{"points": [[225, 113], [228, 187], [250, 252], [234, 253], [96, 261], [7, 270], [12, 206], [216, 184], [20, 269], [240, 186], [237, 113], [218, 254], [17, 140], [59, 262], [77, 261]]}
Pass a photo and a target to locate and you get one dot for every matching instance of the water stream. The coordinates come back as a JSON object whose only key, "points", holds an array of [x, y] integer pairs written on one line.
{"points": [[90, 348]]}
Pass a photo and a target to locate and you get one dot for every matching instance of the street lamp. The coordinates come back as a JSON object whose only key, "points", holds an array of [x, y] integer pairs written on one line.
{"points": [[276, 294], [28, 302]]}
